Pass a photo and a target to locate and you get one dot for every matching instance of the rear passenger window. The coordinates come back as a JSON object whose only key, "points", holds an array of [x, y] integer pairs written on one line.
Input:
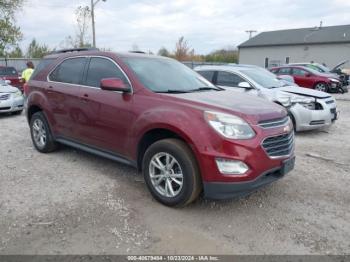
{"points": [[100, 68], [69, 71], [229, 79], [207, 75]]}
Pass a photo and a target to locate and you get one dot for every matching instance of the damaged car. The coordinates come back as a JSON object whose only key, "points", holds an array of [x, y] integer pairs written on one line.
{"points": [[309, 109]]}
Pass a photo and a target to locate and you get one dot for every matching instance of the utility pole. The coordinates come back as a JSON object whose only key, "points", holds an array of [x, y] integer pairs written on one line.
{"points": [[250, 32], [93, 4]]}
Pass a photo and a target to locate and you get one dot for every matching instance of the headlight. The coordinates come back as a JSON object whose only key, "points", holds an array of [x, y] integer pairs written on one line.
{"points": [[307, 102], [285, 100], [334, 80], [229, 126], [18, 94]]}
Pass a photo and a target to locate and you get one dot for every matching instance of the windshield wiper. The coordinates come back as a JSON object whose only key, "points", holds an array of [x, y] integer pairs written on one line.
{"points": [[206, 88], [172, 91]]}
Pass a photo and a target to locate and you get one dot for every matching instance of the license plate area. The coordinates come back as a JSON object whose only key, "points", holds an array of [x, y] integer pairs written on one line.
{"points": [[288, 165]]}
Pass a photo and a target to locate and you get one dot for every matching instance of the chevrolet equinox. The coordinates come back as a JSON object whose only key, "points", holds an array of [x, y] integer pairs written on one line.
{"points": [[186, 135]]}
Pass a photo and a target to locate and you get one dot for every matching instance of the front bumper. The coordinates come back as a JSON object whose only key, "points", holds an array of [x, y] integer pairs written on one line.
{"points": [[219, 190], [12, 104], [306, 119]]}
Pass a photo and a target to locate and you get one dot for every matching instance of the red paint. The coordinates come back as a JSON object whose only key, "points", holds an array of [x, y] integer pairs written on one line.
{"points": [[116, 121]]}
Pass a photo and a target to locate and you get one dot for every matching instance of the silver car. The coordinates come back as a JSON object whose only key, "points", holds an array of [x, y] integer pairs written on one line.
{"points": [[308, 108], [11, 99]]}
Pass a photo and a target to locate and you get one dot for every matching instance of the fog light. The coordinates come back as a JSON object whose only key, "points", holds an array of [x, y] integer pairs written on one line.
{"points": [[231, 167]]}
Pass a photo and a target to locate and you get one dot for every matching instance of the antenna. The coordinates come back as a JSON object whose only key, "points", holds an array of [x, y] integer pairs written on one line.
{"points": [[250, 32]]}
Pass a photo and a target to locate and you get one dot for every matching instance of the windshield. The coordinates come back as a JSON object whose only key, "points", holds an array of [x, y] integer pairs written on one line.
{"points": [[167, 75], [263, 77], [8, 71]]}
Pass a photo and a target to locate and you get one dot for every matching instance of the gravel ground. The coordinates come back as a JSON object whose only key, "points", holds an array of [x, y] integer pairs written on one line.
{"points": [[71, 202]]}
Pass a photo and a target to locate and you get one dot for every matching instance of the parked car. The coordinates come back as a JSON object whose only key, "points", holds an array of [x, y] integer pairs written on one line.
{"points": [[10, 73], [156, 114], [11, 98], [336, 71], [309, 78], [308, 109]]}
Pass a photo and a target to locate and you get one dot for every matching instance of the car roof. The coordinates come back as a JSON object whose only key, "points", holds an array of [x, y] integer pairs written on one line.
{"points": [[228, 67], [66, 53]]}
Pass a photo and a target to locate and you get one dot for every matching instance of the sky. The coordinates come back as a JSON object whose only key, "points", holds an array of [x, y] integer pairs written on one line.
{"points": [[207, 25]]}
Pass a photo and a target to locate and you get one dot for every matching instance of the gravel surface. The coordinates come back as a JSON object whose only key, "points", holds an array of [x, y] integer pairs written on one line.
{"points": [[71, 202]]}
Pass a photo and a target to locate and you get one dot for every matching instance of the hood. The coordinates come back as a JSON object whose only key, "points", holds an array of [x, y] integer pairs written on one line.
{"points": [[8, 89], [304, 91], [340, 64], [248, 107]]}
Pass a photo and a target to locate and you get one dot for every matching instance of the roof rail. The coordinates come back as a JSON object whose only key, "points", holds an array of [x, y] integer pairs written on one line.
{"points": [[74, 50]]}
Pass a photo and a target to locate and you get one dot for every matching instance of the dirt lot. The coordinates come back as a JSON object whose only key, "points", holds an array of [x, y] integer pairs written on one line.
{"points": [[71, 202]]}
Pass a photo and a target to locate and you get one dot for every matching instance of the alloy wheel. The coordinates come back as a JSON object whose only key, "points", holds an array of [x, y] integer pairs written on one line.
{"points": [[39, 133], [166, 174], [321, 87]]}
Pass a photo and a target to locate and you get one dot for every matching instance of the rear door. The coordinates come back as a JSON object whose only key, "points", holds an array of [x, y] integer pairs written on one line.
{"points": [[108, 116], [63, 93], [301, 78]]}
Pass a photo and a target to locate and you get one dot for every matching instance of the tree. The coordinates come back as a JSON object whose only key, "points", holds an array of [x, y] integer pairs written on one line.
{"points": [[164, 52], [10, 34], [225, 55], [36, 50], [83, 17], [182, 50], [16, 53]]}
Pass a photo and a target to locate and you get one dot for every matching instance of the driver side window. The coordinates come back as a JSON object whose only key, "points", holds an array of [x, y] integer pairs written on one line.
{"points": [[228, 79], [100, 68]]}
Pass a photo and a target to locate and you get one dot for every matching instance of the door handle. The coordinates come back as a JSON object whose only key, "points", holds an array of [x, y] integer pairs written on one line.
{"points": [[84, 98]]}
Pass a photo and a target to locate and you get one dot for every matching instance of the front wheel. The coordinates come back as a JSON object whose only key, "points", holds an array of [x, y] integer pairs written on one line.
{"points": [[41, 135], [321, 87], [171, 172]]}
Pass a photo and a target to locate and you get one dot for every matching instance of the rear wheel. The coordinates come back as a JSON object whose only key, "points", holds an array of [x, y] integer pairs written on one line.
{"points": [[171, 172], [41, 134], [321, 86]]}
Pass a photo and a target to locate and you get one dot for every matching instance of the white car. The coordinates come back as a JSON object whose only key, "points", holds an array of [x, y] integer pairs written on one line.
{"points": [[11, 99], [309, 109]]}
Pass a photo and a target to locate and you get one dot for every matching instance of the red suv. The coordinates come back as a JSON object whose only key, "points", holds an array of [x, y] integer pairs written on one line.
{"points": [[10, 73], [307, 77], [185, 134]]}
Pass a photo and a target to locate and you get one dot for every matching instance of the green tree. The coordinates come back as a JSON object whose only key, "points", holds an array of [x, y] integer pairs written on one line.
{"points": [[164, 52], [10, 34], [36, 50], [16, 53], [225, 55]]}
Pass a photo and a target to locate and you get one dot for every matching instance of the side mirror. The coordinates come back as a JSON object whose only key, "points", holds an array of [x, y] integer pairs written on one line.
{"points": [[245, 85], [8, 82], [114, 84]]}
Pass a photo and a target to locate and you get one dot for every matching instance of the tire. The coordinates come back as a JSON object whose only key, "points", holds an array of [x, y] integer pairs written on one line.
{"points": [[41, 134], [321, 86], [185, 164]]}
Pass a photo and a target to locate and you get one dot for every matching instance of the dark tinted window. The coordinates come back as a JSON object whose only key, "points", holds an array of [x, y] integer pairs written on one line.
{"points": [[41, 66], [8, 71], [228, 79], [284, 71], [207, 75], [299, 72], [69, 71], [100, 68]]}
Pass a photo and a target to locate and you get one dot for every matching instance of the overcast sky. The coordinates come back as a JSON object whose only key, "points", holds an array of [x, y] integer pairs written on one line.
{"points": [[151, 24]]}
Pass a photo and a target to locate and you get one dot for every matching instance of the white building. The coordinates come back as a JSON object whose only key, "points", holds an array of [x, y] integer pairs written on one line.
{"points": [[329, 45]]}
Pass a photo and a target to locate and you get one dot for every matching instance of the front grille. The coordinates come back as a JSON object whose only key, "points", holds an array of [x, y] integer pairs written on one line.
{"points": [[316, 122], [274, 122], [278, 146], [5, 108], [4, 97]]}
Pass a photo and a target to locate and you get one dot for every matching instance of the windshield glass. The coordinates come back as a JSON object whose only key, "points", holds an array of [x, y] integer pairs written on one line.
{"points": [[263, 77], [163, 75], [8, 71]]}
